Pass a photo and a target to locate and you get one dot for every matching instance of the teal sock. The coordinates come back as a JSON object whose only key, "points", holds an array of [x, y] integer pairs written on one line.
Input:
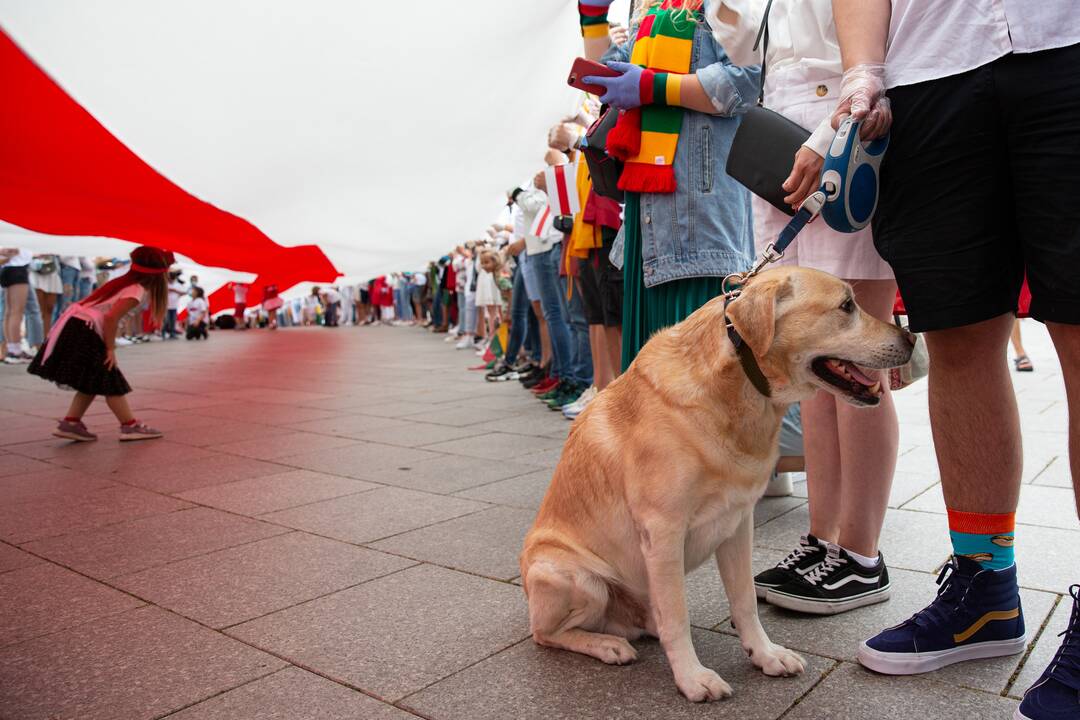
{"points": [[985, 538]]}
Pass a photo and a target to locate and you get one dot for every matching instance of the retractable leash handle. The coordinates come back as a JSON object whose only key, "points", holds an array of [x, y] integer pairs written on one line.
{"points": [[849, 178]]}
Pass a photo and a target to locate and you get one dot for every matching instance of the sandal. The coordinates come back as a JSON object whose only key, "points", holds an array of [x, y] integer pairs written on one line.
{"points": [[1023, 364]]}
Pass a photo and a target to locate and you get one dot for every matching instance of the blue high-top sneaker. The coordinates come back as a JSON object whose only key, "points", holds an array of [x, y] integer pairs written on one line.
{"points": [[976, 614], [1056, 695]]}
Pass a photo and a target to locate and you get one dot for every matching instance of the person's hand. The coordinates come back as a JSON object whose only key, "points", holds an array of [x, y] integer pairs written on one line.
{"points": [[618, 34], [540, 181], [563, 137], [862, 95], [110, 359], [804, 178], [622, 91], [516, 247]]}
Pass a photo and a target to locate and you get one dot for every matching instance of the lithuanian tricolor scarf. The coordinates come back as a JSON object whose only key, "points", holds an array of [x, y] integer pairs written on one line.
{"points": [[645, 138]]}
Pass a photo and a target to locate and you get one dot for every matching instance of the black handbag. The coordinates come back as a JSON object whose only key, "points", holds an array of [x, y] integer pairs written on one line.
{"points": [[604, 169], [765, 144]]}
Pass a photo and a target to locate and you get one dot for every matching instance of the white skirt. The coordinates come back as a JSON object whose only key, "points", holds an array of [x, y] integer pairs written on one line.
{"points": [[487, 290], [850, 256], [47, 283]]}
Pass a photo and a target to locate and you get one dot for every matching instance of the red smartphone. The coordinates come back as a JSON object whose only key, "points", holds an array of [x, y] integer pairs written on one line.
{"points": [[583, 68]]}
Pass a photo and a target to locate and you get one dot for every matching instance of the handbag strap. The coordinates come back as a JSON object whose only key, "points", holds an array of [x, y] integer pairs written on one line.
{"points": [[763, 34]]}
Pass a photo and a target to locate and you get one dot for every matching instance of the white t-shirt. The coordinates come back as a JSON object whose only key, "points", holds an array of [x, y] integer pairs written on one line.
{"points": [[71, 261], [197, 310], [931, 39], [175, 291], [19, 259], [240, 291], [332, 295]]}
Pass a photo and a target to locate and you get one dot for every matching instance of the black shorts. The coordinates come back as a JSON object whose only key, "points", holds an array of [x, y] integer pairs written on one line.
{"points": [[979, 185], [9, 276], [601, 284]]}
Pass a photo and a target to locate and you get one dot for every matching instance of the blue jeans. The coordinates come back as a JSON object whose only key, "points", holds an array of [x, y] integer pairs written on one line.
{"points": [[168, 327], [70, 277], [547, 274], [581, 369], [523, 327]]}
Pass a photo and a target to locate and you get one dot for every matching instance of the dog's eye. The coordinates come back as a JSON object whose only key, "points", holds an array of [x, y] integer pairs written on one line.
{"points": [[848, 306]]}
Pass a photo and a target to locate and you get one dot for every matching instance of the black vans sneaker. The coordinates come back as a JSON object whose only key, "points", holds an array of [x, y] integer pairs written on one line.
{"points": [[799, 561], [836, 585]]}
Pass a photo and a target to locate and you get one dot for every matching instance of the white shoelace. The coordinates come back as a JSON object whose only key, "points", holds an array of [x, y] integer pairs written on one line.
{"points": [[796, 555], [822, 571]]}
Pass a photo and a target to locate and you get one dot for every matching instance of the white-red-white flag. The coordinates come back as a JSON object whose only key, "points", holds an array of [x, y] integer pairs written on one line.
{"points": [[562, 189], [541, 224]]}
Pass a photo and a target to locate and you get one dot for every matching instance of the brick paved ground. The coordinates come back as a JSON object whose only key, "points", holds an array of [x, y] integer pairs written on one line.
{"points": [[331, 529]]}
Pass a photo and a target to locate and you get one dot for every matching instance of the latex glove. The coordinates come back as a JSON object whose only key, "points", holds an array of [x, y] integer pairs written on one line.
{"points": [[623, 91], [804, 178], [862, 95]]}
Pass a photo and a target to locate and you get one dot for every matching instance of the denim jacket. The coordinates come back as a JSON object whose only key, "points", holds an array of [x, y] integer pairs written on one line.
{"points": [[704, 228]]}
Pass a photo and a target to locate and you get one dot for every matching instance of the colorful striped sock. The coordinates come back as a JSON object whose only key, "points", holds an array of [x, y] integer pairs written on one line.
{"points": [[983, 537], [594, 22], [661, 88]]}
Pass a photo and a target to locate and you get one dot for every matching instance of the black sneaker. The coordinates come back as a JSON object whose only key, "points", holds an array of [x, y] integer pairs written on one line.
{"points": [[809, 552], [534, 379], [500, 373], [836, 585]]}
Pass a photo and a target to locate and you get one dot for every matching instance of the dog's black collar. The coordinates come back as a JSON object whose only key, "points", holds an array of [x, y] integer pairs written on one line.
{"points": [[749, 362]]}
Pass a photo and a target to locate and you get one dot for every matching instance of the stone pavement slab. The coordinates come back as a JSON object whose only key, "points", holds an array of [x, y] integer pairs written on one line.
{"points": [[525, 491], [136, 665], [197, 472], [1044, 648], [130, 546], [398, 634], [230, 586], [265, 494], [11, 558], [529, 682], [450, 473], [292, 694], [360, 460], [496, 446]]}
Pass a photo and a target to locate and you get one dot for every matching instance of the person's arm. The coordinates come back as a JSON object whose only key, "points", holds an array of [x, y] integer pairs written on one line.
{"points": [[718, 89], [112, 321], [592, 15], [862, 28]]}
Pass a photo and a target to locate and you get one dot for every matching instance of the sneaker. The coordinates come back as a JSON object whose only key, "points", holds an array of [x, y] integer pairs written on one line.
{"points": [[463, 343], [976, 614], [779, 485], [14, 359], [138, 431], [534, 379], [805, 557], [500, 373], [575, 408], [122, 341], [547, 390], [1056, 694], [565, 395], [836, 585], [73, 431]]}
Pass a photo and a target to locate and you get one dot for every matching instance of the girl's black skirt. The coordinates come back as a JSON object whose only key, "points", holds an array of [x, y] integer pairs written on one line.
{"points": [[77, 362]]}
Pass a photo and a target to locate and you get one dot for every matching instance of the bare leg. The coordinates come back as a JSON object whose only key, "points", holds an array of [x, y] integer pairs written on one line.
{"points": [[47, 303], [1014, 338], [602, 376], [120, 408], [614, 347], [79, 405], [791, 463], [733, 560], [545, 339], [821, 441], [974, 418], [1067, 343], [14, 309], [869, 439]]}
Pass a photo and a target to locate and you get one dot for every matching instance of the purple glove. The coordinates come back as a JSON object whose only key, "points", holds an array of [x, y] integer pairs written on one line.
{"points": [[623, 91]]}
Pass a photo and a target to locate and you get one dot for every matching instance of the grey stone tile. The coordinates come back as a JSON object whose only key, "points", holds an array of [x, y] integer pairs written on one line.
{"points": [[213, 432], [373, 515], [706, 600], [360, 460], [350, 426], [137, 665], [12, 558], [525, 491], [907, 486], [913, 540], [448, 473], [1045, 647], [1056, 474], [60, 515], [129, 459], [274, 396], [458, 416], [233, 585], [213, 469], [528, 682], [415, 434], [397, 634], [544, 458], [1042, 560], [768, 508], [278, 446], [11, 464], [394, 409], [45, 598], [266, 413], [135, 545], [542, 422], [292, 694], [54, 481], [1039, 505], [279, 491], [852, 692], [485, 543], [497, 446]]}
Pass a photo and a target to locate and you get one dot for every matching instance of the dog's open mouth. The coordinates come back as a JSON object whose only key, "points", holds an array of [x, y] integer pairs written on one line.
{"points": [[849, 379]]}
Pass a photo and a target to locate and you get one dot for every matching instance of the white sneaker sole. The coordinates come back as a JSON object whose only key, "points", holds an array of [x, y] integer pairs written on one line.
{"points": [[916, 663], [135, 438], [72, 436], [827, 607]]}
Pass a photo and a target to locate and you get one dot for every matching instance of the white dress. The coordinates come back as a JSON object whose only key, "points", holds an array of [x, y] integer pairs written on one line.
{"points": [[487, 290], [802, 82]]}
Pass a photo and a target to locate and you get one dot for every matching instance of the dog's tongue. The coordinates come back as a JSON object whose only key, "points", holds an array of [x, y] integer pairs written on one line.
{"points": [[860, 375]]}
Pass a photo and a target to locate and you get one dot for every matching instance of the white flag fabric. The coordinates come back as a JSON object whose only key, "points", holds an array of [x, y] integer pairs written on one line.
{"points": [[562, 189]]}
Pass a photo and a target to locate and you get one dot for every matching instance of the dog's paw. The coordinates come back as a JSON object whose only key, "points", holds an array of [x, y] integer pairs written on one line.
{"points": [[778, 661], [703, 684], [615, 651]]}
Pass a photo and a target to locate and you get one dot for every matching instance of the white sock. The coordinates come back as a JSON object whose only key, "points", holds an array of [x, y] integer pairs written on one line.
{"points": [[14, 348], [866, 562]]}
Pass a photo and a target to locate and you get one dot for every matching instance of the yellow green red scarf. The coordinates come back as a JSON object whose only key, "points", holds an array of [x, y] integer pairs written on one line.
{"points": [[645, 138]]}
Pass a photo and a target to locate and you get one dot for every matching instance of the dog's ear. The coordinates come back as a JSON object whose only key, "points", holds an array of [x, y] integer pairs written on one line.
{"points": [[753, 314]]}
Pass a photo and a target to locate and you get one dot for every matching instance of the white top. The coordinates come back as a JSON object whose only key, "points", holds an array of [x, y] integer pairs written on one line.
{"points": [[175, 291], [803, 49], [19, 259], [240, 291], [419, 278], [930, 39], [197, 310], [531, 200], [87, 271], [332, 295], [71, 261]]}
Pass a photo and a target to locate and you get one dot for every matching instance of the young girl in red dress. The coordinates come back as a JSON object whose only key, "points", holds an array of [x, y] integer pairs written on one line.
{"points": [[80, 352]]}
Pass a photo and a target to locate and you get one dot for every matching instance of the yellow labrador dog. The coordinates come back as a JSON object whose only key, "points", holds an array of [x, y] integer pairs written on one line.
{"points": [[663, 470]]}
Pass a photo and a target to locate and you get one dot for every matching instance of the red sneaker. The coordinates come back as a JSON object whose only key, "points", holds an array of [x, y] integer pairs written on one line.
{"points": [[545, 386]]}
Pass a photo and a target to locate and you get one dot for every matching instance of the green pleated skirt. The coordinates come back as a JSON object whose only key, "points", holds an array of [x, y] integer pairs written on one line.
{"points": [[647, 310]]}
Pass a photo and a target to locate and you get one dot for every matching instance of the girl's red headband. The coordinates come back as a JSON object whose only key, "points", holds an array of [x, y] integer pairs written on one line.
{"points": [[136, 267]]}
